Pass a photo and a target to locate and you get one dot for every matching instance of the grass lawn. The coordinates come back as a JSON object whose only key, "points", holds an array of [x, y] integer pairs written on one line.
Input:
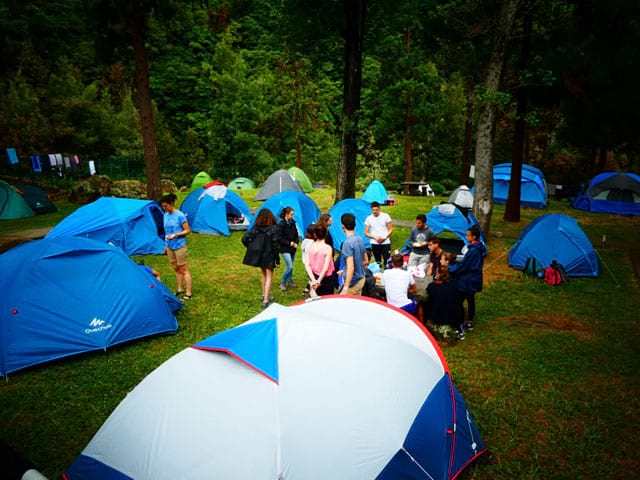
{"points": [[550, 373]]}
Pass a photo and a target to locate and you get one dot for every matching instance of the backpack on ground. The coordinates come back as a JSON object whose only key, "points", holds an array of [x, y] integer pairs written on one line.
{"points": [[555, 274], [532, 268]]}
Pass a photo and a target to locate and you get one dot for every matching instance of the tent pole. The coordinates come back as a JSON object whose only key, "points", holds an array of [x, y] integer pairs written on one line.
{"points": [[608, 269]]}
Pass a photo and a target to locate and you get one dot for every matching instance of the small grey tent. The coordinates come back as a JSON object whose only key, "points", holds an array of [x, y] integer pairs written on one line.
{"points": [[278, 181], [462, 198]]}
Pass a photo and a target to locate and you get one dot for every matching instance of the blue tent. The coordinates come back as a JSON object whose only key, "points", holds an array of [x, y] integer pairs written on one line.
{"points": [[133, 225], [446, 217], [375, 192], [71, 295], [556, 237], [611, 192], [215, 210], [533, 191], [306, 210], [360, 208]]}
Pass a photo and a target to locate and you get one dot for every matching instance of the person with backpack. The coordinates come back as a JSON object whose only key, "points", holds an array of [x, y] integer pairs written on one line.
{"points": [[467, 273]]}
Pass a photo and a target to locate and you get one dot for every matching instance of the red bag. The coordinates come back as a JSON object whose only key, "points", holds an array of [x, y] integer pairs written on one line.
{"points": [[552, 275]]}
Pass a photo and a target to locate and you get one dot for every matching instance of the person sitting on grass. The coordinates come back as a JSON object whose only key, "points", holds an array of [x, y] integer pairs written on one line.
{"points": [[398, 283], [444, 302]]}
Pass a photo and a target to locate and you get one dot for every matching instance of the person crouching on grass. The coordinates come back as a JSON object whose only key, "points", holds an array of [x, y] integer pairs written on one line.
{"points": [[176, 228]]}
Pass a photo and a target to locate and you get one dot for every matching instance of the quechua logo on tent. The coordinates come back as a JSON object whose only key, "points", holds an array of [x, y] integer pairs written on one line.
{"points": [[97, 325]]}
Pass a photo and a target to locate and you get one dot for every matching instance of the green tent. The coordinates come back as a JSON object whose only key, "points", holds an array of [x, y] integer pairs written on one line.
{"points": [[302, 179], [241, 183], [12, 205], [200, 180]]}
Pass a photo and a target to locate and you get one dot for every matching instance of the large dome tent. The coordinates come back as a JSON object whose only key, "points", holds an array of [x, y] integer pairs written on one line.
{"points": [[361, 209], [339, 387], [73, 295], [216, 210], [305, 209], [12, 205], [611, 192], [136, 226], [558, 237], [533, 191]]}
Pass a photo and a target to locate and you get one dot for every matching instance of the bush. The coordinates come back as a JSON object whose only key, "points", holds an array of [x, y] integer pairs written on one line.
{"points": [[437, 188]]}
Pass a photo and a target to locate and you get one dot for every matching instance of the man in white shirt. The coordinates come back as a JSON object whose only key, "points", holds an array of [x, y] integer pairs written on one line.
{"points": [[378, 228], [398, 283]]}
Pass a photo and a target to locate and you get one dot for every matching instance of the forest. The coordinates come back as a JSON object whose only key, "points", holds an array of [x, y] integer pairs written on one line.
{"points": [[347, 90]]}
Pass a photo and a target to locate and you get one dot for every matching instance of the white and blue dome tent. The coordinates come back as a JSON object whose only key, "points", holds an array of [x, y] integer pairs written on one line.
{"points": [[72, 295], [533, 191], [216, 210], [305, 209], [558, 237], [361, 209], [136, 226], [339, 387], [611, 192], [375, 192]]}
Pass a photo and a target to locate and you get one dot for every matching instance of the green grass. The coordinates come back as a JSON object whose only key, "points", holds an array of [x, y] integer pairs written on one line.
{"points": [[550, 373]]}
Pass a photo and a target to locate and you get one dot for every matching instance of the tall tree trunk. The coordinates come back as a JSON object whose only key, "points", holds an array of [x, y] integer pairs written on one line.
{"points": [[408, 123], [512, 208], [467, 147], [483, 201], [151, 160], [354, 12]]}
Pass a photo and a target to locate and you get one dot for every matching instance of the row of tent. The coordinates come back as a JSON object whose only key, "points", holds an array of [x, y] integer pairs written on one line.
{"points": [[21, 200]]}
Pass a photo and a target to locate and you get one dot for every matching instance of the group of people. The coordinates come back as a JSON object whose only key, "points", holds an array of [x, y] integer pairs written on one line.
{"points": [[346, 269]]}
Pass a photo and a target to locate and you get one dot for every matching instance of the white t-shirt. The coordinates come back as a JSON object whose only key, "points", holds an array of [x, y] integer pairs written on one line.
{"points": [[396, 284], [378, 226]]}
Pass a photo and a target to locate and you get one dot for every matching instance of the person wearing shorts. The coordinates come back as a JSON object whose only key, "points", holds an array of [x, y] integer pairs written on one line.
{"points": [[176, 228]]}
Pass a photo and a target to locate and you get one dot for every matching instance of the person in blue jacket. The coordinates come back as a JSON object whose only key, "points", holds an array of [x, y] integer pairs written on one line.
{"points": [[467, 273]]}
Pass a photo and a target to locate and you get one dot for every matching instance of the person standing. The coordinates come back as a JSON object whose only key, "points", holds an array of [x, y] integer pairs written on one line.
{"points": [[419, 237], [353, 252], [378, 228], [262, 244], [319, 263], [467, 273], [176, 228], [289, 239], [398, 283]]}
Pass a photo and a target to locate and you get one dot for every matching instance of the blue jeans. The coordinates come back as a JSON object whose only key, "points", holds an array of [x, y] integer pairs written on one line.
{"points": [[287, 276]]}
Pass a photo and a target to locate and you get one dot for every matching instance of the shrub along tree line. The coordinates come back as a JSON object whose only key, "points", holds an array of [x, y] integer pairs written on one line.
{"points": [[242, 88]]}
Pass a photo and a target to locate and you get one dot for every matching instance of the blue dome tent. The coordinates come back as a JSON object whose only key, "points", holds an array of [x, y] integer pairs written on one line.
{"points": [[294, 386], [216, 210], [556, 237], [360, 208], [611, 192], [533, 191], [72, 295], [133, 225], [306, 210], [446, 217], [375, 192]]}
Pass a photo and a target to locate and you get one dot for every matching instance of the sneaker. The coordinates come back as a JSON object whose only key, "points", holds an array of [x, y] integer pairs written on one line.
{"points": [[293, 285], [461, 335], [468, 326], [186, 297], [283, 287]]}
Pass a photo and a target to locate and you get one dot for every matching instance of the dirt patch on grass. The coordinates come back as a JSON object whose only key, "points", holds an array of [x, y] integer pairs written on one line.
{"points": [[10, 240], [560, 323]]}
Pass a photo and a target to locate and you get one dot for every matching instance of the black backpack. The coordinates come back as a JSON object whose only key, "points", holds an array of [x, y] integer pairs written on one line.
{"points": [[532, 268]]}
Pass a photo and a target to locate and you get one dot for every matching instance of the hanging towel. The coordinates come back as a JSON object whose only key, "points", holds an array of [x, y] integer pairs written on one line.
{"points": [[13, 156], [35, 163]]}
